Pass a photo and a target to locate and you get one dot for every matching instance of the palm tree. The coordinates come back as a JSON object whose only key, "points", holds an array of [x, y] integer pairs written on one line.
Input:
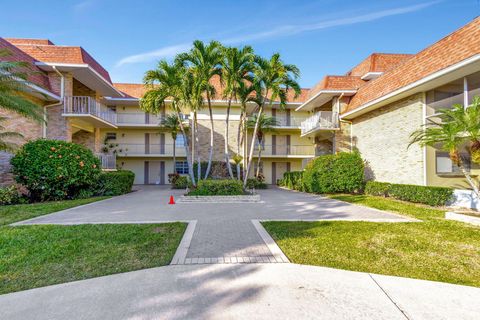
{"points": [[451, 130], [13, 83], [265, 124], [204, 62], [273, 79], [236, 70], [245, 95], [167, 83], [172, 123]]}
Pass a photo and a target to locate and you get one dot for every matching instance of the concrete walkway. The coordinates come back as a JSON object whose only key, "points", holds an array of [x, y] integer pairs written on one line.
{"points": [[222, 233], [244, 291]]}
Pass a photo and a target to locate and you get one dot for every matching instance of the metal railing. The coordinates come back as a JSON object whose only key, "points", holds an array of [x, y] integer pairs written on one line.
{"points": [[83, 105], [138, 118], [285, 150], [289, 122], [126, 149], [108, 161], [320, 120]]}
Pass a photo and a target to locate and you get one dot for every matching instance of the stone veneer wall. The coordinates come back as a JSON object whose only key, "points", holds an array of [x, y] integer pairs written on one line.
{"points": [[218, 139], [59, 127], [382, 137]]}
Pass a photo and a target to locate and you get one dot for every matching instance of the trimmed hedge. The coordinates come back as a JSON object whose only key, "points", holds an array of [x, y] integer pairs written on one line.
{"points": [[55, 170], [343, 172], [253, 183], [292, 180], [115, 183], [218, 188], [433, 196]]}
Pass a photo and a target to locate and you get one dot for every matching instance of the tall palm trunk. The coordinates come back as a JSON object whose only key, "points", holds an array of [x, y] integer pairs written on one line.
{"points": [[210, 155], [187, 152], [252, 146], [239, 142], [197, 150], [259, 157], [227, 123], [174, 155]]}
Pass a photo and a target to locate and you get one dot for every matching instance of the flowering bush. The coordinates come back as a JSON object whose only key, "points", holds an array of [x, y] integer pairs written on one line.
{"points": [[54, 170]]}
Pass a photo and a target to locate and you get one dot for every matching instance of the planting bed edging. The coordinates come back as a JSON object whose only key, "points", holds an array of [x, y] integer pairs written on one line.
{"points": [[462, 218], [220, 199]]}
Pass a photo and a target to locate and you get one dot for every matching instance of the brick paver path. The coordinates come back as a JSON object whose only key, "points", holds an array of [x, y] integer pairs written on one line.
{"points": [[223, 233]]}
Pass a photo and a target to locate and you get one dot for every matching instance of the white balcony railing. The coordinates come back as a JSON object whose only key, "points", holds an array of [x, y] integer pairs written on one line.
{"points": [[321, 120], [289, 122], [131, 149], [286, 150], [83, 105], [108, 161], [138, 118]]}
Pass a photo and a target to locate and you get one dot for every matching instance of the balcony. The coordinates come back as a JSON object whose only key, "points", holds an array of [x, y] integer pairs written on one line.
{"points": [[88, 110], [107, 161], [140, 119], [321, 120], [289, 151], [289, 122], [149, 150]]}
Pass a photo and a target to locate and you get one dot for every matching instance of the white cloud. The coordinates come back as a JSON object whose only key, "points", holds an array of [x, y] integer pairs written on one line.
{"points": [[280, 31], [82, 6]]}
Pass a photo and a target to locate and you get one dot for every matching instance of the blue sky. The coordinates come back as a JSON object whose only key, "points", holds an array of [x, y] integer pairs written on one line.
{"points": [[320, 37]]}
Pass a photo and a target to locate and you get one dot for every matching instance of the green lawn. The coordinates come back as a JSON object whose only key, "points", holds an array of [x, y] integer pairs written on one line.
{"points": [[36, 256], [435, 249], [19, 212]]}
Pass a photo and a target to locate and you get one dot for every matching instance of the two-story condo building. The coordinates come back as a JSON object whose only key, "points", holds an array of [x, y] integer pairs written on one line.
{"points": [[373, 108]]}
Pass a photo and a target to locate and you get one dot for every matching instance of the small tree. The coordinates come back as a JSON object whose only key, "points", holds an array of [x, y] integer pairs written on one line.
{"points": [[172, 124], [265, 124], [453, 130]]}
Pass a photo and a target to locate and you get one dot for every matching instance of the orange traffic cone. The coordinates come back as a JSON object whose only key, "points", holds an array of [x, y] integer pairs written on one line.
{"points": [[172, 201]]}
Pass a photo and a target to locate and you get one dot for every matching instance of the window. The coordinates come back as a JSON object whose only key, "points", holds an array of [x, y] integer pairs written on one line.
{"points": [[181, 167], [444, 164], [110, 136], [180, 141]]}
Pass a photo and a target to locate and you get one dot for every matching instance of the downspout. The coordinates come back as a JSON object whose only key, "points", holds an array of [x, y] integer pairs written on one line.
{"points": [[62, 96]]}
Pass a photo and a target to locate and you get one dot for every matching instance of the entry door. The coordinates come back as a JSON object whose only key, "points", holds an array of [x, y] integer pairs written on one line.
{"points": [[156, 172], [278, 169]]}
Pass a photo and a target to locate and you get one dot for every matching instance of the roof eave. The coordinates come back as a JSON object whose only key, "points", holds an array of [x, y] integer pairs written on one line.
{"points": [[78, 66], [306, 105], [455, 71]]}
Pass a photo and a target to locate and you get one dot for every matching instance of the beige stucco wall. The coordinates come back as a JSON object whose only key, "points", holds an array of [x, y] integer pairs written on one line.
{"points": [[382, 137]]}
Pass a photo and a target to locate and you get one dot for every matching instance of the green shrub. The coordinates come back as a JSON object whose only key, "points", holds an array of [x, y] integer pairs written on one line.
{"points": [[375, 188], [224, 187], [10, 195], [182, 182], [292, 180], [343, 172], [55, 170], [433, 196], [253, 183], [114, 183]]}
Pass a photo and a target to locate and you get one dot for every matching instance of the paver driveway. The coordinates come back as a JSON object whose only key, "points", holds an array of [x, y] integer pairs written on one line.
{"points": [[223, 232]]}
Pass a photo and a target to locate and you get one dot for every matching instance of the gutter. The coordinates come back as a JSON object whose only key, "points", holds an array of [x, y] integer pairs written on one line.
{"points": [[62, 97]]}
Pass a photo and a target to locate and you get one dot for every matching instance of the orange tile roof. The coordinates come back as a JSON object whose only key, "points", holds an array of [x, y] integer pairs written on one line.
{"points": [[16, 41], [459, 45], [35, 75], [336, 83], [137, 90], [58, 54], [378, 62]]}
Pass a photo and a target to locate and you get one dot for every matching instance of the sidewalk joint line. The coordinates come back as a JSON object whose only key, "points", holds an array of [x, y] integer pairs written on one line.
{"points": [[388, 296]]}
